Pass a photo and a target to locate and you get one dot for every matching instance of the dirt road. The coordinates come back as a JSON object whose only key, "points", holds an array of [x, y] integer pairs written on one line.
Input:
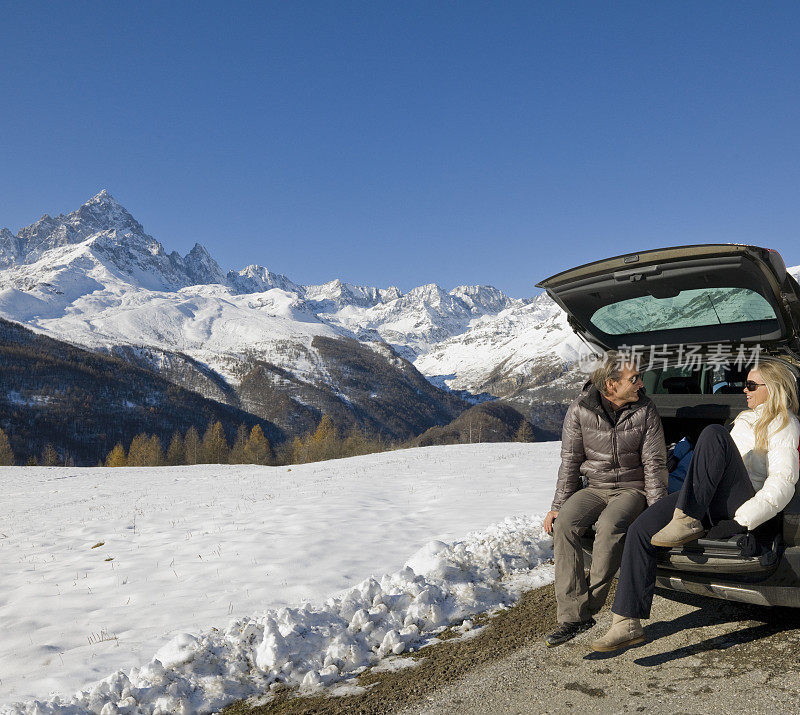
{"points": [[702, 656]]}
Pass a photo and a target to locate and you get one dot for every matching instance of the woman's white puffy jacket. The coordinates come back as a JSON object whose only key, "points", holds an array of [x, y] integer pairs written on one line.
{"points": [[774, 473]]}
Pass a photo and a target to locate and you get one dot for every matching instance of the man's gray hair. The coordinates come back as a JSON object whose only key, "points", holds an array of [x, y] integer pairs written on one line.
{"points": [[611, 369]]}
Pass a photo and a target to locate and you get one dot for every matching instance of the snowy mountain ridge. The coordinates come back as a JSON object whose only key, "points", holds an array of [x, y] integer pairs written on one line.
{"points": [[94, 278], [108, 230]]}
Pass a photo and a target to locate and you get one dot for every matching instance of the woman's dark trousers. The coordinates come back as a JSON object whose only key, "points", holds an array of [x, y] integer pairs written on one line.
{"points": [[716, 485]]}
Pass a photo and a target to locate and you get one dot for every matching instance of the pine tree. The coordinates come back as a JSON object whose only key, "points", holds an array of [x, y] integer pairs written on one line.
{"points": [[32, 462], [50, 456], [355, 443], [214, 448], [6, 455], [191, 446], [324, 443], [524, 432], [238, 453], [116, 457], [155, 452], [139, 451], [176, 454], [325, 430], [257, 449], [299, 451]]}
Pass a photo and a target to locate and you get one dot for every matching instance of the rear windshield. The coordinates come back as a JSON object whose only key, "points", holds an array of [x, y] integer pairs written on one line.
{"points": [[688, 309]]}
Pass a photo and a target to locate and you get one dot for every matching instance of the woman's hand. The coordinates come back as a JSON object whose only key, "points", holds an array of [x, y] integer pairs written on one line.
{"points": [[548, 521], [725, 529]]}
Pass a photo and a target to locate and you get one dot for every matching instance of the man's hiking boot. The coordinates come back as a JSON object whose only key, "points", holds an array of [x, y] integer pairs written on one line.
{"points": [[567, 631], [681, 530], [624, 632]]}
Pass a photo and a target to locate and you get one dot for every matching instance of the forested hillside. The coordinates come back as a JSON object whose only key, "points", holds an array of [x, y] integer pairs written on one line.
{"points": [[82, 403]]}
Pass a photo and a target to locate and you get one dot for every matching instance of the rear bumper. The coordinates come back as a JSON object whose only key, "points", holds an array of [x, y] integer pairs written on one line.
{"points": [[780, 588], [721, 558], [776, 585]]}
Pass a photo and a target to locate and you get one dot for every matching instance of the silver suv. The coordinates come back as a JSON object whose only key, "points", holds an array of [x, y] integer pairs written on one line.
{"points": [[726, 305]]}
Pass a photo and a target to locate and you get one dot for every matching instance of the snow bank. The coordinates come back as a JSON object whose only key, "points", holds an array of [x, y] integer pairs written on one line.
{"points": [[315, 646]]}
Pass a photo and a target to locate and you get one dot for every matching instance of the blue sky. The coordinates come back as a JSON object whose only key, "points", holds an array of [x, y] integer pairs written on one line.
{"points": [[402, 143]]}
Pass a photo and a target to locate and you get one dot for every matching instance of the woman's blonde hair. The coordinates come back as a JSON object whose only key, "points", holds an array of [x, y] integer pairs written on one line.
{"points": [[782, 398]]}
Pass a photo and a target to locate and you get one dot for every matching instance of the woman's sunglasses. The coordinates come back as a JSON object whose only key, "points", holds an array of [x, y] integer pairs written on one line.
{"points": [[753, 386]]}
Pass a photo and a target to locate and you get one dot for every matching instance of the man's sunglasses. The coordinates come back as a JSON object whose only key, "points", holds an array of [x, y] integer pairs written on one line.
{"points": [[753, 386]]}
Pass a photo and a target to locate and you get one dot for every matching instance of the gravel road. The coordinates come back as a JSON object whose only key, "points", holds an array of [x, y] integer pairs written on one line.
{"points": [[702, 656]]}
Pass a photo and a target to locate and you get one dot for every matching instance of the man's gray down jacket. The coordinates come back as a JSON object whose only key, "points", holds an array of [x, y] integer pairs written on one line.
{"points": [[630, 454]]}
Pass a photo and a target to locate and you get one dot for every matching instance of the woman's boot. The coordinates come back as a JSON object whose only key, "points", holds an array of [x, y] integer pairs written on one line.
{"points": [[624, 632], [681, 530]]}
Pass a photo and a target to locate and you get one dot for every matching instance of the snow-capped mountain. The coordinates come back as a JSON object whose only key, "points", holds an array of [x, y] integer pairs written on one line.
{"points": [[257, 279], [95, 278], [106, 230], [526, 350], [251, 339], [416, 321]]}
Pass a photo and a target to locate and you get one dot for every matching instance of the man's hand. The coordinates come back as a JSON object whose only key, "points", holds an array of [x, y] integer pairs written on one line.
{"points": [[548, 521]]}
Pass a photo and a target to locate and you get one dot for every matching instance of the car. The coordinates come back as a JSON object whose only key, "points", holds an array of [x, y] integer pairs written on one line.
{"points": [[727, 306]]}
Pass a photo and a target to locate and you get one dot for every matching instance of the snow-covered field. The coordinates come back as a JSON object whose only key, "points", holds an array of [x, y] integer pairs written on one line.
{"points": [[227, 574]]}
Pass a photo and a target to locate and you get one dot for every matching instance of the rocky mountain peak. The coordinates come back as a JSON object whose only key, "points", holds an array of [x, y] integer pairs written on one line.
{"points": [[256, 279], [104, 195], [199, 252], [201, 267], [336, 294], [428, 293], [10, 248], [482, 298], [114, 237], [103, 213], [391, 293]]}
